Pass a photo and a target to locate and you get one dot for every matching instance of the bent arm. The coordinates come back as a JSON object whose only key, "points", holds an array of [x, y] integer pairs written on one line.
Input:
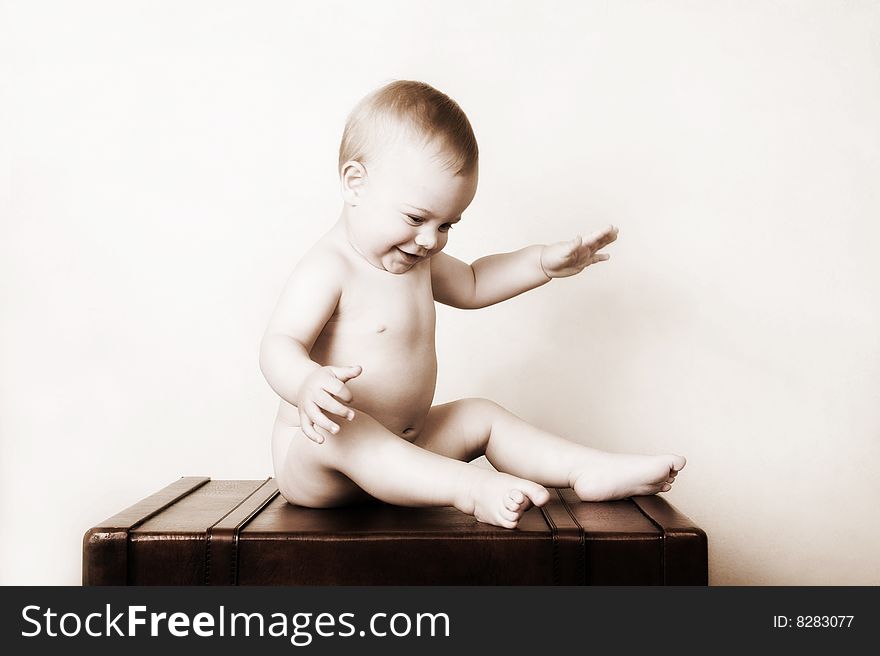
{"points": [[306, 304], [285, 364], [487, 281]]}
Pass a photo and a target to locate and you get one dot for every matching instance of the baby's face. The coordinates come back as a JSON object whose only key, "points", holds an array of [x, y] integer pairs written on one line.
{"points": [[406, 206]]}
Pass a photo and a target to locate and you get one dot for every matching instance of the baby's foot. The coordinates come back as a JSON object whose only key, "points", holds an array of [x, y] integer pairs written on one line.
{"points": [[604, 476], [500, 499]]}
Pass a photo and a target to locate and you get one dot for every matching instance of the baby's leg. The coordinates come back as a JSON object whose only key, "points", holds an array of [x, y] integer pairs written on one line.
{"points": [[396, 471], [471, 427], [302, 479]]}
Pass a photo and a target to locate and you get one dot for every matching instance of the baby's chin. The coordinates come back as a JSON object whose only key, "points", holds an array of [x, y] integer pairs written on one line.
{"points": [[398, 261], [397, 267]]}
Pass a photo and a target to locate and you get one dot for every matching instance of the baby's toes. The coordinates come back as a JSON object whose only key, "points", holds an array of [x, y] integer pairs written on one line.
{"points": [[514, 500], [651, 488], [514, 506], [537, 494], [508, 519]]}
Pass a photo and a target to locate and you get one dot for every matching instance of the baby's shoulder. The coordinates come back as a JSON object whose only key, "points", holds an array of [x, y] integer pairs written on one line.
{"points": [[324, 260]]}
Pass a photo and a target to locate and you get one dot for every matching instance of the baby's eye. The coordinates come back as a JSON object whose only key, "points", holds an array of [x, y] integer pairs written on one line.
{"points": [[446, 227], [415, 220]]}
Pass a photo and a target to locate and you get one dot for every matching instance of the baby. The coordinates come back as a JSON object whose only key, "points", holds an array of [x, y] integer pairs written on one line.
{"points": [[350, 345]]}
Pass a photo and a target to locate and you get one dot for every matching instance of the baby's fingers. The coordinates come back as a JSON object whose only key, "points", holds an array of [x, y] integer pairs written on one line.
{"points": [[346, 373], [321, 433], [331, 405], [315, 434], [337, 388], [320, 420], [309, 431], [601, 238]]}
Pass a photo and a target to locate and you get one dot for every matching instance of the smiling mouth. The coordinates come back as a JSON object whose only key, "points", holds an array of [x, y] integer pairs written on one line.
{"points": [[409, 256]]}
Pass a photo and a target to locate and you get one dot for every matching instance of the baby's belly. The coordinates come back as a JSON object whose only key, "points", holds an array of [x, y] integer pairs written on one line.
{"points": [[396, 386], [396, 391]]}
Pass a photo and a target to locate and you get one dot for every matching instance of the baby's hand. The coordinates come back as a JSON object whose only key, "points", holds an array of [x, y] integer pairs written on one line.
{"points": [[567, 258], [321, 391]]}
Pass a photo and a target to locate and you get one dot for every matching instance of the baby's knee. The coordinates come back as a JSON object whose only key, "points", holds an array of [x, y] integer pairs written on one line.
{"points": [[476, 419], [478, 404], [480, 408]]}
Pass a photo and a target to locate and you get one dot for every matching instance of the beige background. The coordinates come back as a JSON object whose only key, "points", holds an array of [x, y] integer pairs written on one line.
{"points": [[164, 164]]}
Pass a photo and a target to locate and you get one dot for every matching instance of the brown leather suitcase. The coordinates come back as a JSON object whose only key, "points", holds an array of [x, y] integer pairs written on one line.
{"points": [[198, 531]]}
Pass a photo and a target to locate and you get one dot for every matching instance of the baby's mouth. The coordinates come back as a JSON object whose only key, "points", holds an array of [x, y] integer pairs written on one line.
{"points": [[410, 256]]}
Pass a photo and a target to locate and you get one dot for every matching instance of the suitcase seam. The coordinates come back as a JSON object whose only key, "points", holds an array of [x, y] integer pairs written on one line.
{"points": [[554, 536], [662, 530], [209, 536], [247, 520], [582, 538], [235, 533]]}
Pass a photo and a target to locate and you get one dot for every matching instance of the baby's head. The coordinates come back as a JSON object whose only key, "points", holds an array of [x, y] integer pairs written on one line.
{"points": [[408, 166], [414, 110]]}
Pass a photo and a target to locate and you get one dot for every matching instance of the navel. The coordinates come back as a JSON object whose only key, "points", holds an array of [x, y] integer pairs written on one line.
{"points": [[380, 329]]}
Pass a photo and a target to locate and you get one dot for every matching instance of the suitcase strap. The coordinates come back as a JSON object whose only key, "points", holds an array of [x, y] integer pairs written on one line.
{"points": [[569, 554], [221, 545]]}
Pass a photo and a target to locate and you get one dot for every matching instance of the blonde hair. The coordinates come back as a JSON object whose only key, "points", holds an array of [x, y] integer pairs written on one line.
{"points": [[428, 113]]}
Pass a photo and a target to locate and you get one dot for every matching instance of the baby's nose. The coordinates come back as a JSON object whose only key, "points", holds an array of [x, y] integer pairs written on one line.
{"points": [[426, 240]]}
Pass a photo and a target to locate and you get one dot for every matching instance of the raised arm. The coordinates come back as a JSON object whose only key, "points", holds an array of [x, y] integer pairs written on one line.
{"points": [[487, 281], [306, 304], [496, 278]]}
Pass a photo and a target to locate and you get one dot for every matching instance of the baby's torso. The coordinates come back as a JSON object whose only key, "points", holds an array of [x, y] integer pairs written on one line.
{"points": [[385, 323]]}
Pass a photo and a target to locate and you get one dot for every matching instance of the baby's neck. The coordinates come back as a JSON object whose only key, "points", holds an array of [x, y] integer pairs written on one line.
{"points": [[342, 234]]}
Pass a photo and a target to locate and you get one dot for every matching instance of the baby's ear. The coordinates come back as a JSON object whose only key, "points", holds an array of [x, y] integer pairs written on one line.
{"points": [[353, 178]]}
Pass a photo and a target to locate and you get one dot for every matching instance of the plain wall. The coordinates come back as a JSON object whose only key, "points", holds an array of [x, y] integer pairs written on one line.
{"points": [[163, 165]]}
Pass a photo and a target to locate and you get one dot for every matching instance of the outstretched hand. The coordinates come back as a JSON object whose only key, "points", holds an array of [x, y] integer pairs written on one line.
{"points": [[325, 391], [566, 258]]}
